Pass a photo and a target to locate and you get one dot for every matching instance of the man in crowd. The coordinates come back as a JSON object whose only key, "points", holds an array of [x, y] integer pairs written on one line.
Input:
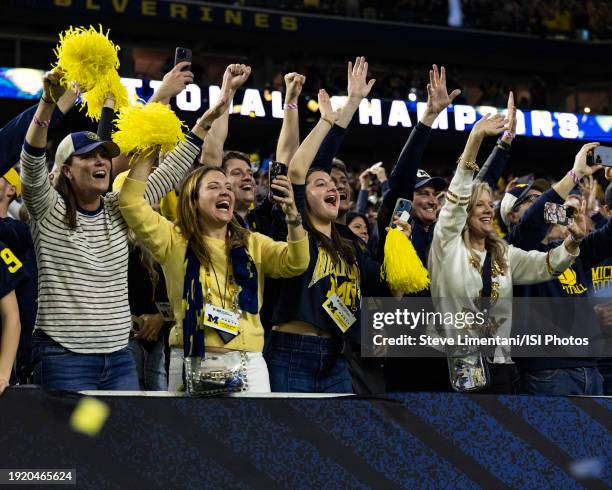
{"points": [[522, 210]]}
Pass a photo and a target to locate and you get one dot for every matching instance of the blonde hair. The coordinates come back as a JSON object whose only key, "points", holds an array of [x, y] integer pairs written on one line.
{"points": [[189, 221], [494, 244]]}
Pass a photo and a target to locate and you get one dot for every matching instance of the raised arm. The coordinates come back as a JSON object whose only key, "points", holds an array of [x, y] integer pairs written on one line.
{"points": [[173, 83], [38, 194], [150, 227], [300, 163], [13, 134], [453, 215], [233, 78], [533, 266], [403, 176], [177, 163], [529, 232], [289, 139], [494, 166], [358, 88]]}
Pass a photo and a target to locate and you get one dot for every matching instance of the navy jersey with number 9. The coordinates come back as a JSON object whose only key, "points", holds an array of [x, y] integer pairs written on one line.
{"points": [[11, 271]]}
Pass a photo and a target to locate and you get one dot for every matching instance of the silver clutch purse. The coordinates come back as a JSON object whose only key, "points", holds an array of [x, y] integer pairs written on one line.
{"points": [[216, 373]]}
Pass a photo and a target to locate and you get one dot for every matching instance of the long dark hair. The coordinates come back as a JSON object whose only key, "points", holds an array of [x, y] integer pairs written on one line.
{"points": [[336, 246], [65, 190]]}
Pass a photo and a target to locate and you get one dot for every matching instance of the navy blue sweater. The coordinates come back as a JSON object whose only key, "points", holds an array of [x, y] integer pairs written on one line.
{"points": [[575, 282], [13, 134], [301, 298]]}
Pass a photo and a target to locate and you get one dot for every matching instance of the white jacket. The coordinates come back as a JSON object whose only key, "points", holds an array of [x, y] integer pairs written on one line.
{"points": [[456, 283]]}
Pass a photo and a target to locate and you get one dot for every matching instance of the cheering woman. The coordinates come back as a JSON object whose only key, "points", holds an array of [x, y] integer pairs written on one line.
{"points": [[466, 252], [318, 310], [214, 268]]}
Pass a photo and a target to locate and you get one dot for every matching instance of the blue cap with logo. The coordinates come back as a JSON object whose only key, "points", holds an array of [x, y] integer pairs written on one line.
{"points": [[80, 143], [425, 180]]}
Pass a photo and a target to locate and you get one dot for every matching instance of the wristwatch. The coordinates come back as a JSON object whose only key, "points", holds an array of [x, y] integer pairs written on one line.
{"points": [[297, 221]]}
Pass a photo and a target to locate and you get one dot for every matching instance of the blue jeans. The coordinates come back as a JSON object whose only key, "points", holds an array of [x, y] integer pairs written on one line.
{"points": [[58, 368], [567, 381], [306, 364], [150, 365]]}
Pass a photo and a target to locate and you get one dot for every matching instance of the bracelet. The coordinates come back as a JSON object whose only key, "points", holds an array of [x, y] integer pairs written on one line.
{"points": [[294, 222], [468, 165], [46, 101], [41, 124], [574, 177], [331, 123], [502, 144], [290, 105]]}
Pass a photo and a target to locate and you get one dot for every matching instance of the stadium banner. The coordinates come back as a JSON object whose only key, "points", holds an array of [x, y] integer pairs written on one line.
{"points": [[186, 11], [25, 83]]}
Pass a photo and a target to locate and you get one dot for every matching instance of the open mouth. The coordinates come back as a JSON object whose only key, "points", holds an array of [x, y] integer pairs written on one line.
{"points": [[343, 196], [486, 220], [246, 187], [331, 199], [223, 205], [99, 174]]}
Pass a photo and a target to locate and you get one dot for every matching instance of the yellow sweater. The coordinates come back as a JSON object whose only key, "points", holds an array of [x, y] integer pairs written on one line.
{"points": [[168, 246]]}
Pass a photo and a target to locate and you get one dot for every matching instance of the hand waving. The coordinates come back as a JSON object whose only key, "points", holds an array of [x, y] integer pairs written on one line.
{"points": [[325, 108], [438, 98], [358, 88], [490, 125]]}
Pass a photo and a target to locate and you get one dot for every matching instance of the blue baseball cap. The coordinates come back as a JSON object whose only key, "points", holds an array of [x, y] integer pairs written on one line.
{"points": [[80, 143], [424, 179]]}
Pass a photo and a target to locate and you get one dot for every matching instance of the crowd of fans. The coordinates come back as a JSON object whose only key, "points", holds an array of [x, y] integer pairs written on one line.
{"points": [[118, 271], [562, 18]]}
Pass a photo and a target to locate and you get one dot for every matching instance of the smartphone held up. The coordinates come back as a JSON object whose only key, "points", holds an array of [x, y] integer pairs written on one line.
{"points": [[401, 211], [182, 54], [274, 170]]}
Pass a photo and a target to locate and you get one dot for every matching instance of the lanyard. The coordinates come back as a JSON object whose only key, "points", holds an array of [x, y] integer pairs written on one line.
{"points": [[229, 280]]}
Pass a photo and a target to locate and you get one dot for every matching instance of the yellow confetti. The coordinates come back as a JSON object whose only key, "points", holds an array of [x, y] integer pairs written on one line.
{"points": [[89, 416]]}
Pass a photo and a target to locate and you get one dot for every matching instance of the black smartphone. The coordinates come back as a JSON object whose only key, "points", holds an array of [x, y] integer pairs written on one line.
{"points": [[402, 210], [602, 155], [274, 170], [557, 214], [180, 55]]}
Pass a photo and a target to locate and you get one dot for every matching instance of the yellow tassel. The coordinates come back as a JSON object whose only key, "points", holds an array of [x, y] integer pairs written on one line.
{"points": [[85, 56], [145, 129], [402, 267], [95, 98]]}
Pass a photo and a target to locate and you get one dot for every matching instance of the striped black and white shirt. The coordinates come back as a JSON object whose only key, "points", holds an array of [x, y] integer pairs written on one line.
{"points": [[83, 273]]}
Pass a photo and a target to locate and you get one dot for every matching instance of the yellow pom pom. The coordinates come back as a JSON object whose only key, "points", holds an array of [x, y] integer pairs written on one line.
{"points": [[402, 267], [85, 56], [95, 98], [147, 128]]}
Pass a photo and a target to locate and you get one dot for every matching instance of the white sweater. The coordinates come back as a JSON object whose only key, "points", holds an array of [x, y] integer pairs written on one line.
{"points": [[456, 283]]}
